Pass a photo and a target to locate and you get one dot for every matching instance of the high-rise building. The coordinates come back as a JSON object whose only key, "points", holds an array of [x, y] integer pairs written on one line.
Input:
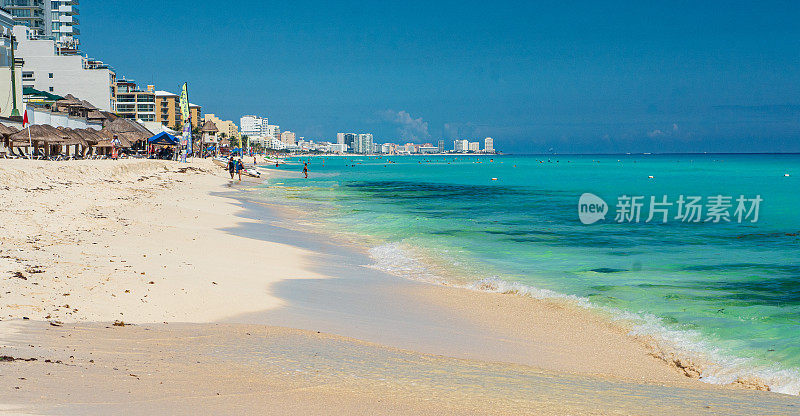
{"points": [[441, 146], [133, 103], [288, 138], [363, 144], [460, 146], [474, 146], [488, 145], [273, 132], [350, 141], [168, 110], [48, 19], [47, 68], [339, 138], [254, 127]]}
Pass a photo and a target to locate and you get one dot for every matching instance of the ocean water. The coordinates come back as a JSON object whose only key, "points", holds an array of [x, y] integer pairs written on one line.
{"points": [[725, 294]]}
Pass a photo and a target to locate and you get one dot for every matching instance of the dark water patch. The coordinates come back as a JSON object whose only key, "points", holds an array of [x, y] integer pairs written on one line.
{"points": [[607, 270]]}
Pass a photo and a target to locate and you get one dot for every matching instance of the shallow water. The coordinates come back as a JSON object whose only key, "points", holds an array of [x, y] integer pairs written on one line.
{"points": [[727, 291]]}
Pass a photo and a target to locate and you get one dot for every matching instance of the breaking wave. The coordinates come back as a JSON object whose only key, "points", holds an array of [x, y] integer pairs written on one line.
{"points": [[686, 350]]}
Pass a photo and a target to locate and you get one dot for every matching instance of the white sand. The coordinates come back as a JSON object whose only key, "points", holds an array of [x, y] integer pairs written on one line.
{"points": [[89, 237]]}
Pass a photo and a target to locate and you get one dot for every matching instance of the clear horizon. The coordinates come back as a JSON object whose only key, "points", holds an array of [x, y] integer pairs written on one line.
{"points": [[581, 78]]}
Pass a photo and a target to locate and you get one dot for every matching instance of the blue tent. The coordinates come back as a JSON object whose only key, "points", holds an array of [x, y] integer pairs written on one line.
{"points": [[164, 138]]}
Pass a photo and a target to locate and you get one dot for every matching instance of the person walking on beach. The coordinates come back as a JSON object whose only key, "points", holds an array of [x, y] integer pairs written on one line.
{"points": [[305, 169], [239, 168], [231, 166]]}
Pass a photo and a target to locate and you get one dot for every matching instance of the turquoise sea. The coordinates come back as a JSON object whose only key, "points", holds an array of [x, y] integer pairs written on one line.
{"points": [[723, 293]]}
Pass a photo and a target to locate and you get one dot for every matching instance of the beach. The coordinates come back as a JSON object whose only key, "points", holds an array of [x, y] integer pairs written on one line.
{"points": [[145, 287]]}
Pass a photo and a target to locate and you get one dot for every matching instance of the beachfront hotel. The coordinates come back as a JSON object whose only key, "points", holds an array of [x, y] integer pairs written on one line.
{"points": [[56, 20], [168, 110], [49, 68], [227, 127], [135, 104], [288, 138]]}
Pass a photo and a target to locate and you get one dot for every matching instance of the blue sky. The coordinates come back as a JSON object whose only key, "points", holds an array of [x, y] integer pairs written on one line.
{"points": [[572, 77]]}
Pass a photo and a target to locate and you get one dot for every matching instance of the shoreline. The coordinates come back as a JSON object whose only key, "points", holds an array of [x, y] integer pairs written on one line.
{"points": [[192, 285], [691, 356]]}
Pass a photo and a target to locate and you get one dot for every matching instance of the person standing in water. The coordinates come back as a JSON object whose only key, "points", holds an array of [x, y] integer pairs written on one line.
{"points": [[305, 169]]}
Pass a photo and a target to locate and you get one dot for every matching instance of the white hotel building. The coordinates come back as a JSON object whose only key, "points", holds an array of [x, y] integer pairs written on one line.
{"points": [[50, 69], [254, 127]]}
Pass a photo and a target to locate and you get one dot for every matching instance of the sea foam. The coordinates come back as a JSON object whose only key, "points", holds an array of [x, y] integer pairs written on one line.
{"points": [[685, 349]]}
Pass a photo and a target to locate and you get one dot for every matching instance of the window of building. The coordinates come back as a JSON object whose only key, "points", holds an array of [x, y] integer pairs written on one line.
{"points": [[27, 75], [51, 89], [50, 75]]}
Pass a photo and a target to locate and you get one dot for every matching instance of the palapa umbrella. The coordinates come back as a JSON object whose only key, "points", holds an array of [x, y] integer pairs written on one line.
{"points": [[129, 130], [108, 136], [5, 132], [35, 134]]}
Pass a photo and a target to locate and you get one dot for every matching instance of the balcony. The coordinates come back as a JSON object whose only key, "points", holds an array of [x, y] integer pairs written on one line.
{"points": [[71, 10]]}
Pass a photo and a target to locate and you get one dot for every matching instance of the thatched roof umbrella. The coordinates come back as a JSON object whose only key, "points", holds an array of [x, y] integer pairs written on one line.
{"points": [[39, 133], [36, 134], [71, 137], [127, 129], [89, 135], [5, 132], [107, 137]]}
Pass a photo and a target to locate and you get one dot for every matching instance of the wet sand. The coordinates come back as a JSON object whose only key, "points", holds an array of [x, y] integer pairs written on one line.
{"points": [[199, 369]]}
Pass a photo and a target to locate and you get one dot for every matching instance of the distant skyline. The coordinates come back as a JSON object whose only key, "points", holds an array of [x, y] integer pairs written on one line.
{"points": [[585, 77]]}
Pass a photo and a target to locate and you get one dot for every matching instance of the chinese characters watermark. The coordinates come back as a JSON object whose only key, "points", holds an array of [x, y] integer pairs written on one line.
{"points": [[663, 209]]}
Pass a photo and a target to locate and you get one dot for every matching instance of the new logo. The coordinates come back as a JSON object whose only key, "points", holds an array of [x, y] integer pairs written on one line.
{"points": [[591, 208]]}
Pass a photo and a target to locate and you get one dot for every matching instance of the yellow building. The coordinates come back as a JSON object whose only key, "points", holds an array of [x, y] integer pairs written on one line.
{"points": [[224, 126], [168, 110]]}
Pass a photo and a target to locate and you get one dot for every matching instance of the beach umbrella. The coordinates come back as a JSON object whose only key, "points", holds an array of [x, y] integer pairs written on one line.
{"points": [[109, 135], [35, 134], [5, 132], [128, 130]]}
